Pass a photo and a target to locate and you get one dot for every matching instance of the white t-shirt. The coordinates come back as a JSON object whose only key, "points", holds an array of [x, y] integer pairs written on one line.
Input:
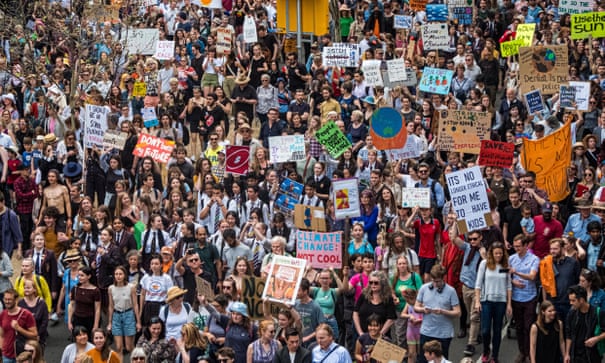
{"points": [[156, 287]]}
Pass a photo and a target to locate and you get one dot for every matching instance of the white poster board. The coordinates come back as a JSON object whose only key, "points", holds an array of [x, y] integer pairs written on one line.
{"points": [[140, 41], [396, 70], [469, 198], [435, 36], [412, 197], [371, 72], [250, 35], [283, 149], [341, 55], [582, 94], [164, 50], [345, 197], [95, 125]]}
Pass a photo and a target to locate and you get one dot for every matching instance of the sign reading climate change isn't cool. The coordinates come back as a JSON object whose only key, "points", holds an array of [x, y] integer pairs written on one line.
{"points": [[321, 250], [469, 197]]}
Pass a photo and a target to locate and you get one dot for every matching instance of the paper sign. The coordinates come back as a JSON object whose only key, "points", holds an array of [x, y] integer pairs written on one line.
{"points": [[582, 96], [543, 67], [396, 70], [212, 4], [95, 125], [510, 48], [309, 218], [341, 55], [149, 117], [549, 157], [575, 6], [140, 41], [114, 139], [463, 130], [165, 50], [250, 35], [283, 149], [411, 150], [435, 37], [386, 352], [371, 72], [469, 197], [436, 12], [412, 197], [410, 81], [284, 278], [534, 101], [497, 154], [321, 250], [224, 41], [159, 149], [588, 24], [333, 139], [525, 33], [345, 197], [567, 96], [418, 5], [237, 158], [288, 195], [436, 80], [139, 89], [403, 22]]}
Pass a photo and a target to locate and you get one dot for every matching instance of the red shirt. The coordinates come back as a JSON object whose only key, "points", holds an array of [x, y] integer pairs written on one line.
{"points": [[25, 320], [428, 232], [545, 231]]}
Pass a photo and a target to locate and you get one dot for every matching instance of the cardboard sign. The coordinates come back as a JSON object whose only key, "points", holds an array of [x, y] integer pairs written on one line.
{"points": [[309, 218], [549, 157], [510, 48], [114, 139], [237, 158], [543, 68], [333, 139], [283, 280], [286, 148], [436, 80], [402, 22], [412, 197], [435, 37], [250, 35], [224, 41], [140, 41], [386, 352], [95, 125], [203, 287], [159, 149], [588, 24], [371, 72], [582, 96], [321, 250], [496, 153], [396, 70], [575, 6], [150, 119], [463, 130], [534, 101], [290, 45], [567, 96], [345, 197], [288, 195], [341, 55], [252, 296], [525, 33], [418, 5], [164, 50], [139, 89], [469, 198]]}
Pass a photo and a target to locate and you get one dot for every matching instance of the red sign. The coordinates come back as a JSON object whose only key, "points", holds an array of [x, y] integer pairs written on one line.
{"points": [[237, 159], [158, 148], [496, 153]]}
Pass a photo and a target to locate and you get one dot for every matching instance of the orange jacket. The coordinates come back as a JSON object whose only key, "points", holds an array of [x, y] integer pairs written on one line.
{"points": [[547, 276]]}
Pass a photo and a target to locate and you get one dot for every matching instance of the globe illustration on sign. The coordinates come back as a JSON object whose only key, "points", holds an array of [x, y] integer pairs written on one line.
{"points": [[386, 122]]}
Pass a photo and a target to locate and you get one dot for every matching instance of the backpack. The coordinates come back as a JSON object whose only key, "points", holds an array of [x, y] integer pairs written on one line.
{"points": [[165, 309]]}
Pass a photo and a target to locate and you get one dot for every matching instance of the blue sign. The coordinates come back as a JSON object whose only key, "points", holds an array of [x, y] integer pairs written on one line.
{"points": [[534, 101], [463, 15], [403, 22], [436, 80], [436, 12]]}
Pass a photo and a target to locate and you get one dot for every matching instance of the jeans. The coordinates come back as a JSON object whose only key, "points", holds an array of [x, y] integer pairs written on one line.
{"points": [[492, 316], [445, 346], [8, 360]]}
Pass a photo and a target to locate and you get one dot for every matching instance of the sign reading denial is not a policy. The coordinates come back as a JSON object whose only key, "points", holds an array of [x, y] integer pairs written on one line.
{"points": [[469, 198], [543, 68]]}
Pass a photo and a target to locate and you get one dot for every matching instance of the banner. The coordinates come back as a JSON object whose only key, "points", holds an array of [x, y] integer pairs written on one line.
{"points": [[534, 101], [525, 33], [333, 139], [549, 157], [286, 148], [510, 48], [140, 41], [403, 21], [321, 250], [95, 125], [237, 158], [463, 130], [496, 153], [582, 94], [575, 6], [284, 279], [543, 68], [567, 96], [150, 119], [469, 198], [387, 129], [288, 195], [588, 24], [436, 12], [250, 35], [159, 149], [436, 80], [396, 70], [341, 55], [435, 37], [412, 197], [345, 197], [371, 72], [223, 41], [114, 139]]}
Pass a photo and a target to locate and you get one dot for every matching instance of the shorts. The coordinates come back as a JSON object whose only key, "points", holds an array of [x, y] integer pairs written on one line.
{"points": [[209, 80], [123, 324], [426, 264]]}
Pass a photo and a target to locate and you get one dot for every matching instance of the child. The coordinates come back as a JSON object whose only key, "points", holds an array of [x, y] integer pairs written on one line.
{"points": [[13, 168], [365, 343], [380, 248], [527, 222], [37, 153], [27, 154], [428, 238], [433, 352], [414, 322]]}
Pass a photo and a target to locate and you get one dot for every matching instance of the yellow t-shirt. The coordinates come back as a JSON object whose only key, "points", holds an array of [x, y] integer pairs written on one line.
{"points": [[96, 356]]}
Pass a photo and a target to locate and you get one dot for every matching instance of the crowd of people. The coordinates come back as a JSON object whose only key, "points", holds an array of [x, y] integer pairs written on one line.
{"points": [[117, 247]]}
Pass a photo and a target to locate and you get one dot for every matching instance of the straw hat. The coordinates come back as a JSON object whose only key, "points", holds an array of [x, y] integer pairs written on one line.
{"points": [[50, 138], [242, 79], [174, 292], [72, 255]]}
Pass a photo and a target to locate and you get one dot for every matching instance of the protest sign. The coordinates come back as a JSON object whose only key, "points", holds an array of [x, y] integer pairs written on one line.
{"points": [[549, 157], [139, 89], [289, 45], [403, 22], [543, 68], [164, 50], [386, 352], [496, 153], [582, 95], [435, 37], [396, 70], [411, 149], [387, 129], [371, 73], [286, 148], [212, 4], [95, 125], [525, 33], [140, 41], [283, 280], [567, 96], [412, 197], [223, 41], [469, 199], [341, 55], [250, 35], [345, 198], [588, 24], [252, 296], [333, 139], [309, 217], [534, 101], [157, 148], [463, 130], [114, 139], [410, 79], [321, 250], [464, 15], [288, 195], [510, 48], [575, 6], [418, 5], [204, 288], [237, 158], [436, 12], [150, 119], [436, 80]]}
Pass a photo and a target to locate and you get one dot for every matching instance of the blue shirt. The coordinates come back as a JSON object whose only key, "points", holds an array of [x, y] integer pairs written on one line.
{"points": [[577, 225], [597, 299], [524, 265], [592, 254], [468, 273], [334, 354], [437, 325]]}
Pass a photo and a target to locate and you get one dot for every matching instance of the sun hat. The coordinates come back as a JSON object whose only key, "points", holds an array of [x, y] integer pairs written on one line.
{"points": [[72, 169], [173, 293]]}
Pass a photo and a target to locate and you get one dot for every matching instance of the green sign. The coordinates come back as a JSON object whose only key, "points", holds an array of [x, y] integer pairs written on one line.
{"points": [[587, 24], [333, 139]]}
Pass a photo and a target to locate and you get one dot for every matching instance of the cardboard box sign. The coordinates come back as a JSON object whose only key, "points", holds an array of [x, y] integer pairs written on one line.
{"points": [[310, 218]]}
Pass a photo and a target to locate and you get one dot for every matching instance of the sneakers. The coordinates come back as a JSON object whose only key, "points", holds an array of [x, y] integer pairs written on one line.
{"points": [[462, 334], [485, 358], [54, 318], [469, 350]]}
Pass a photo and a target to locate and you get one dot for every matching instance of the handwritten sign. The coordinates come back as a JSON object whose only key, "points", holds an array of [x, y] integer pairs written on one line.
{"points": [[418, 5], [321, 250], [371, 72], [549, 157], [582, 96], [411, 150], [412, 197], [140, 41], [436, 80], [333, 139], [510, 48], [114, 139], [284, 278], [435, 37], [386, 352], [203, 287], [525, 33], [403, 22], [543, 67], [410, 79], [463, 130], [534, 101], [567, 96], [345, 197], [496, 153], [469, 198], [252, 296], [286, 148], [341, 55], [224, 40], [575, 6], [139, 89], [464, 15], [159, 149], [588, 24], [164, 50], [95, 125], [150, 119], [396, 70]]}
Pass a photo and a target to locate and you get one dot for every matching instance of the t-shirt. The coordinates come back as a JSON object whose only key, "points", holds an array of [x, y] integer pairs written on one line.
{"points": [[85, 301], [156, 287], [427, 232], [386, 310], [25, 320], [512, 217]]}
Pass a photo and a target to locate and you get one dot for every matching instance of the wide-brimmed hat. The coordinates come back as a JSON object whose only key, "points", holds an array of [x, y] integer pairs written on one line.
{"points": [[9, 96], [174, 292], [242, 79], [50, 138], [72, 255], [369, 100], [245, 125], [72, 169], [578, 144], [583, 204], [240, 308]]}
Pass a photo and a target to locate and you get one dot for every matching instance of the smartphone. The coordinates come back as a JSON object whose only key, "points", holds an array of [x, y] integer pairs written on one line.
{"points": [[504, 270]]}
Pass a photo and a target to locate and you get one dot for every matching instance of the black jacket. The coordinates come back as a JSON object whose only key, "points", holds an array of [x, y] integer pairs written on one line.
{"points": [[591, 323], [302, 356]]}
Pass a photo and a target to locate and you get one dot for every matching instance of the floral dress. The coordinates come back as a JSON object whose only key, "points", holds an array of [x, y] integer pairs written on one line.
{"points": [[159, 351]]}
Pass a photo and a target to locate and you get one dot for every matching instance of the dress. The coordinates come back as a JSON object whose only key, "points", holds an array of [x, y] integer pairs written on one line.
{"points": [[546, 343], [413, 331], [260, 355]]}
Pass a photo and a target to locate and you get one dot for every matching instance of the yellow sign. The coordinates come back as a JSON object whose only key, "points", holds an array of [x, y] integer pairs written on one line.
{"points": [[543, 67], [525, 33], [318, 23], [587, 24], [139, 89], [549, 157], [510, 48]]}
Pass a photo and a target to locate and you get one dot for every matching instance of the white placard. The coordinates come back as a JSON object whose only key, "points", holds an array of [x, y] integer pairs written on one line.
{"points": [[469, 197], [371, 72], [95, 125], [224, 41], [435, 36], [402, 22], [396, 70], [250, 35], [345, 196], [140, 41], [164, 50], [283, 149], [341, 55], [412, 149], [582, 94], [575, 6], [412, 197]]}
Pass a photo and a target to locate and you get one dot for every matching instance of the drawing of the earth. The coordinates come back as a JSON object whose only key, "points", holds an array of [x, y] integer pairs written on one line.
{"points": [[386, 122], [543, 60]]}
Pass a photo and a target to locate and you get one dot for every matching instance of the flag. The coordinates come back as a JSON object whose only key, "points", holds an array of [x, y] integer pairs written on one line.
{"points": [[237, 159]]}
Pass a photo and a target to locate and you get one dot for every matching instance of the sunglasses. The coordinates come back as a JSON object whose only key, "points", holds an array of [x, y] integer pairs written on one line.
{"points": [[473, 239], [374, 282], [138, 358], [194, 260]]}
